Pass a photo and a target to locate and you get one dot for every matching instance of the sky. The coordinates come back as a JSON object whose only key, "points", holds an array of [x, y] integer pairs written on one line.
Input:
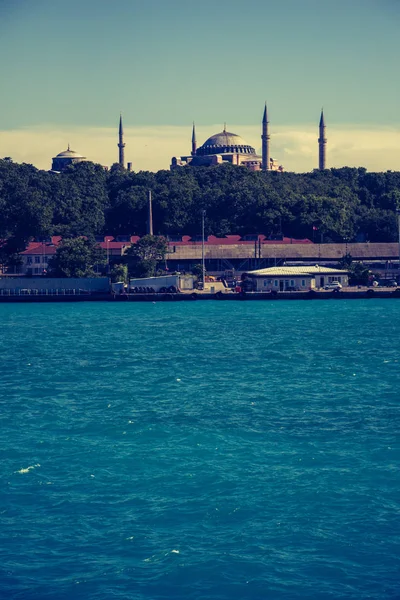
{"points": [[69, 67]]}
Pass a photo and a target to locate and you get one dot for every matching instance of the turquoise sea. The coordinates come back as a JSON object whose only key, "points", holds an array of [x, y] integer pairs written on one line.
{"points": [[204, 450]]}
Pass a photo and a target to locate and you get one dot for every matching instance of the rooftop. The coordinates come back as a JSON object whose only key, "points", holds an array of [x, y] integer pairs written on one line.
{"points": [[288, 271], [223, 143], [69, 154]]}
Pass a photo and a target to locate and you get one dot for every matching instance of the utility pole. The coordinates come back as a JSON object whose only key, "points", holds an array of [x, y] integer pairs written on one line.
{"points": [[203, 214], [150, 222], [108, 255], [398, 225]]}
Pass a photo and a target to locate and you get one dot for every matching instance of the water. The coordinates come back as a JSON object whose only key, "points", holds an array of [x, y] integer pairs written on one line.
{"points": [[200, 450]]}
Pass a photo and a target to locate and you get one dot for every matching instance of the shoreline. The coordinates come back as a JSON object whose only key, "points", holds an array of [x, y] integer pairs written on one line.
{"points": [[194, 297]]}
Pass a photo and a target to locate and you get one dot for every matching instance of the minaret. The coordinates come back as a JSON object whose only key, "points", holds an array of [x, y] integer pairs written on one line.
{"points": [[194, 143], [266, 165], [121, 144], [322, 143]]}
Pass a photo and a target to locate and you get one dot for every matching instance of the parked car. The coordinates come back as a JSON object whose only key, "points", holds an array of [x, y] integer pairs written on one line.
{"points": [[335, 285]]}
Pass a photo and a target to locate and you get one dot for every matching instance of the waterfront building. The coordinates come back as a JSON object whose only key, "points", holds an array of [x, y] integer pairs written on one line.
{"points": [[35, 258], [231, 253], [280, 279]]}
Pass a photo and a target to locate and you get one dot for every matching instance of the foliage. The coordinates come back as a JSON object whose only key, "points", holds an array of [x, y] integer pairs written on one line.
{"points": [[345, 262], [359, 274], [145, 255], [77, 257], [335, 205], [119, 273], [198, 271]]}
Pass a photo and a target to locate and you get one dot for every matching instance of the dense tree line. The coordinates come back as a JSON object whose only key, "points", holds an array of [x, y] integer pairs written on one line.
{"points": [[334, 205]]}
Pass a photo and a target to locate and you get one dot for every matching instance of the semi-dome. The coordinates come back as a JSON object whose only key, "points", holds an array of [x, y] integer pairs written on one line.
{"points": [[225, 143]]}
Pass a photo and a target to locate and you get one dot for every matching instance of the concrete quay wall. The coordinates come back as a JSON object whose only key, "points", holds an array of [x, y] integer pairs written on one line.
{"points": [[353, 294]]}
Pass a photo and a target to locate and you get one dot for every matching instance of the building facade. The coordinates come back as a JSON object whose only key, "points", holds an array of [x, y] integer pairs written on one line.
{"points": [[281, 279]]}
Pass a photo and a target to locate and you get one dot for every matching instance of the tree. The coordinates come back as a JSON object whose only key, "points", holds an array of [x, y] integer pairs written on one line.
{"points": [[359, 274], [77, 257], [119, 273], [145, 255], [86, 200], [197, 271], [81, 201]]}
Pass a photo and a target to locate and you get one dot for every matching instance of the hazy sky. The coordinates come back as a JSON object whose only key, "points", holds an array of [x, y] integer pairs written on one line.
{"points": [[69, 67]]}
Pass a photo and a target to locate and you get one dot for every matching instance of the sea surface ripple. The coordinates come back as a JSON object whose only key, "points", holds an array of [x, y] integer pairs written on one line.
{"points": [[216, 450]]}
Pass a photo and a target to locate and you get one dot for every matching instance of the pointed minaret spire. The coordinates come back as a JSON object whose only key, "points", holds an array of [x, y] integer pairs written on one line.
{"points": [[266, 163], [322, 143], [121, 144], [194, 143]]}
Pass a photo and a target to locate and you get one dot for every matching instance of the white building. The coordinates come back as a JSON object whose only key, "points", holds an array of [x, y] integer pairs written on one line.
{"points": [[305, 278], [35, 259]]}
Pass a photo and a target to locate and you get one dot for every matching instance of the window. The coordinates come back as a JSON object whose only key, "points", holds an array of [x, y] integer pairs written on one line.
{"points": [[303, 283], [265, 283], [29, 260], [276, 283], [292, 283], [37, 259], [38, 270]]}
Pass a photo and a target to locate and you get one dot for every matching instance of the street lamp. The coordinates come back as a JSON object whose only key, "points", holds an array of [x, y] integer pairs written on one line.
{"points": [[398, 227], [203, 214]]}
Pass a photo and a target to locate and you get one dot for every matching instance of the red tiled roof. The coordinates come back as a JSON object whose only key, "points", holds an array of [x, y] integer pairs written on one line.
{"points": [[230, 240], [37, 248], [112, 244]]}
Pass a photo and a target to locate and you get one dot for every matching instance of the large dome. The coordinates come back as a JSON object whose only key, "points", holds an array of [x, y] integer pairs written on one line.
{"points": [[225, 143], [69, 154]]}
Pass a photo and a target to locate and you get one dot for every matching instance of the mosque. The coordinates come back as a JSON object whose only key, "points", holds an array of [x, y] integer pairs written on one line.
{"points": [[226, 147], [220, 148], [66, 158], [70, 157]]}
